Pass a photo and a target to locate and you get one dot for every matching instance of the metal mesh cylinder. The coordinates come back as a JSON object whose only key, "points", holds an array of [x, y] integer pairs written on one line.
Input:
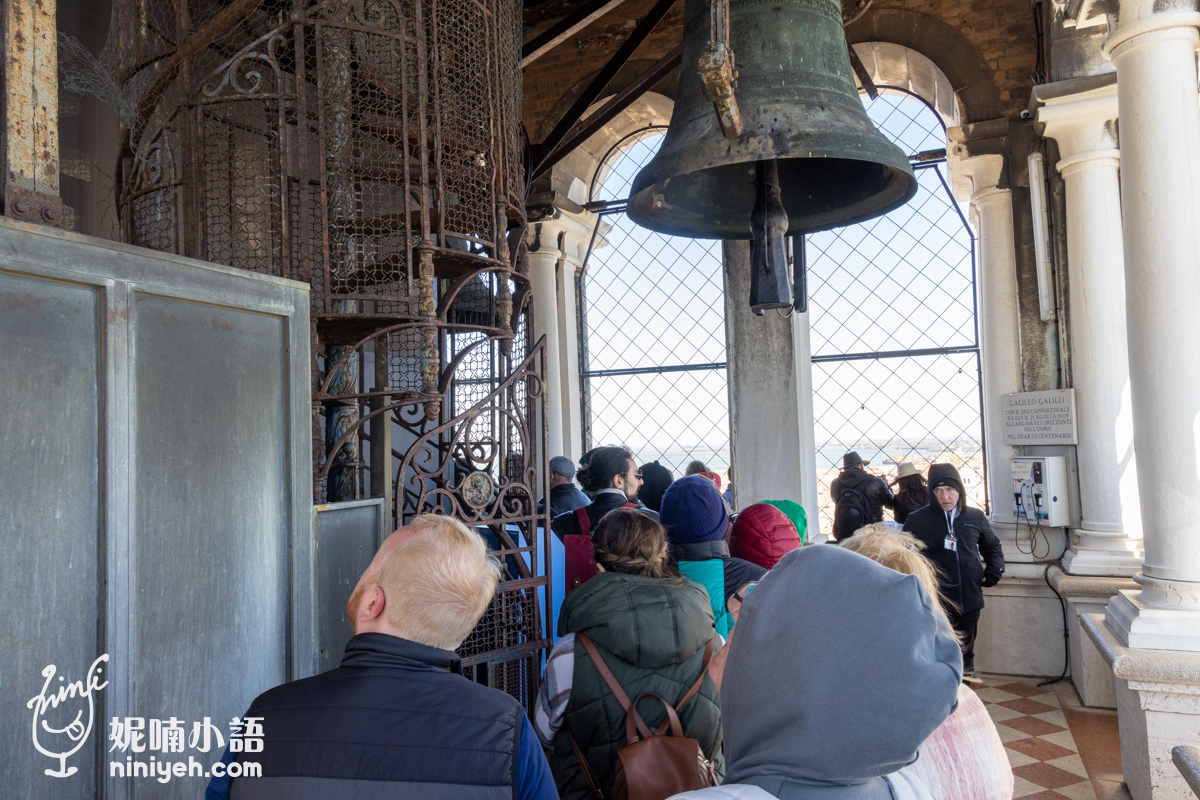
{"points": [[325, 141]]}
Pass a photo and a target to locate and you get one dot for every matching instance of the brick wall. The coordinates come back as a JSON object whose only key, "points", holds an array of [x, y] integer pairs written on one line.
{"points": [[1000, 31]]}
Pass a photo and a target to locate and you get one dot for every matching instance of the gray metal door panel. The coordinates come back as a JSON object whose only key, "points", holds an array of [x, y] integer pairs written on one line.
{"points": [[348, 535], [155, 495], [50, 534], [209, 530]]}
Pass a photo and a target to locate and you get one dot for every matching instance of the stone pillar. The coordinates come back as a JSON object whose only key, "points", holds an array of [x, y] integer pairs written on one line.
{"points": [[1109, 537], [983, 177], [557, 245], [773, 445], [1160, 191], [1151, 637], [1020, 629], [575, 238]]}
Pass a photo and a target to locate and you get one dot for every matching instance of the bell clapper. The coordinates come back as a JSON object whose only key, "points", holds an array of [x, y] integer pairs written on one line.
{"points": [[770, 286]]}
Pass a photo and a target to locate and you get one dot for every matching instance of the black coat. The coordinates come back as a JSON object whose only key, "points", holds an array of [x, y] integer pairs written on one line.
{"points": [[905, 503], [567, 524], [563, 498], [979, 559], [873, 487]]}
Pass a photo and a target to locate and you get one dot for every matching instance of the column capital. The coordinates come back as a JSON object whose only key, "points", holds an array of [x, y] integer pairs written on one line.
{"points": [[1083, 123], [563, 232], [1138, 18], [977, 159]]}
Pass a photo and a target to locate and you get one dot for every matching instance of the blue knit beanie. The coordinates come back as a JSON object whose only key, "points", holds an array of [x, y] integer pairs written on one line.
{"points": [[692, 511]]}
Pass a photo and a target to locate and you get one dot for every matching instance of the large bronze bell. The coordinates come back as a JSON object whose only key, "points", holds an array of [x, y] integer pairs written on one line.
{"points": [[798, 104]]}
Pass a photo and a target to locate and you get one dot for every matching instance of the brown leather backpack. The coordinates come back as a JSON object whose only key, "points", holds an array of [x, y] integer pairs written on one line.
{"points": [[653, 765]]}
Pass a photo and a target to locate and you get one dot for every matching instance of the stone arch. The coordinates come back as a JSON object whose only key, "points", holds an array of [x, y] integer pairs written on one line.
{"points": [[895, 67], [948, 49], [572, 178]]}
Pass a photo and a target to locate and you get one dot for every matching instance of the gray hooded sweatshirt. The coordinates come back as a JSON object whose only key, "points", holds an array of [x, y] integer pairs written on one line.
{"points": [[838, 670]]}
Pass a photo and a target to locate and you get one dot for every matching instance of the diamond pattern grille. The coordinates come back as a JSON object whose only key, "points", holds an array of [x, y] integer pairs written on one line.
{"points": [[672, 417], [653, 302], [921, 409], [900, 283]]}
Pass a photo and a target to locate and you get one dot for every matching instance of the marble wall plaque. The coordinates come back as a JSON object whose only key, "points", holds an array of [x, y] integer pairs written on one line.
{"points": [[1040, 417]]}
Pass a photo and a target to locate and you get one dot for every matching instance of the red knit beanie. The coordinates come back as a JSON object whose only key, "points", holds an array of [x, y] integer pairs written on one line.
{"points": [[762, 534]]}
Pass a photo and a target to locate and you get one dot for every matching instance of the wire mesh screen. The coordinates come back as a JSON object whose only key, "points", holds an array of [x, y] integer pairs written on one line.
{"points": [[893, 325], [653, 361]]}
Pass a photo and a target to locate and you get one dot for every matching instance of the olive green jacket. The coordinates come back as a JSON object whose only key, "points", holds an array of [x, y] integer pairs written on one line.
{"points": [[651, 633]]}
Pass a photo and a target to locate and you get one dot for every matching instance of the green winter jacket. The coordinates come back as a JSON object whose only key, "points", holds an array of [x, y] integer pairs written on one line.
{"points": [[651, 633]]}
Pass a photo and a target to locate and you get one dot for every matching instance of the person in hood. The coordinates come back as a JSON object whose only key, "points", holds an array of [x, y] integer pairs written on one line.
{"points": [[762, 534], [655, 480], [610, 477], [959, 540], [796, 513], [832, 705], [964, 759], [696, 521], [872, 489], [651, 627]]}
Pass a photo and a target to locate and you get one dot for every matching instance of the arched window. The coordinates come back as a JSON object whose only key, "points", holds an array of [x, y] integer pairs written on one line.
{"points": [[652, 360], [893, 323]]}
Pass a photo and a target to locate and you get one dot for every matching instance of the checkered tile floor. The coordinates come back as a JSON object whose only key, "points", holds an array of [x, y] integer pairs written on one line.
{"points": [[1039, 741]]}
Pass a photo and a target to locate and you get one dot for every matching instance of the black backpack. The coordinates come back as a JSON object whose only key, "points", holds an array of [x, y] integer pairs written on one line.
{"points": [[850, 512]]}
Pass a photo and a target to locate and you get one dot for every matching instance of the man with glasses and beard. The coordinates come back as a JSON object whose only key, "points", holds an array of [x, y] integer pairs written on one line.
{"points": [[612, 479]]}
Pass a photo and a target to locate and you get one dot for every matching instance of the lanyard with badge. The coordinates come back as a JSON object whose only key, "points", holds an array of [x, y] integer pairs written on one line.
{"points": [[951, 542]]}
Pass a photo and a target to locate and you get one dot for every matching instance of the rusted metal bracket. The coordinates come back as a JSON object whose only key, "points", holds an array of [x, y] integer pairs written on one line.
{"points": [[31, 113], [718, 77], [29, 205]]}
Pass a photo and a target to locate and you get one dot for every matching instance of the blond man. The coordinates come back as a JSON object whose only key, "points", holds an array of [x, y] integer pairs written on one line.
{"points": [[397, 718]]}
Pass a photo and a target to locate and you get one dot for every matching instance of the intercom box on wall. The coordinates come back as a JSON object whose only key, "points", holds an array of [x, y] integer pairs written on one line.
{"points": [[1039, 491]]}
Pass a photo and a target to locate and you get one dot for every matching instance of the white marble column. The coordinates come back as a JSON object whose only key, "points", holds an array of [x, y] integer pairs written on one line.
{"points": [[1155, 59], [982, 178], [557, 247], [1151, 638], [577, 234], [1108, 541], [544, 260]]}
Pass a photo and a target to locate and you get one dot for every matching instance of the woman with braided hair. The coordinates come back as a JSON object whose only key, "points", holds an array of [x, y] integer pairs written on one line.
{"points": [[651, 627]]}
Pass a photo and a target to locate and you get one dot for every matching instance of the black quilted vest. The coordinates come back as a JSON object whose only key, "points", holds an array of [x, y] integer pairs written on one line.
{"points": [[396, 719]]}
